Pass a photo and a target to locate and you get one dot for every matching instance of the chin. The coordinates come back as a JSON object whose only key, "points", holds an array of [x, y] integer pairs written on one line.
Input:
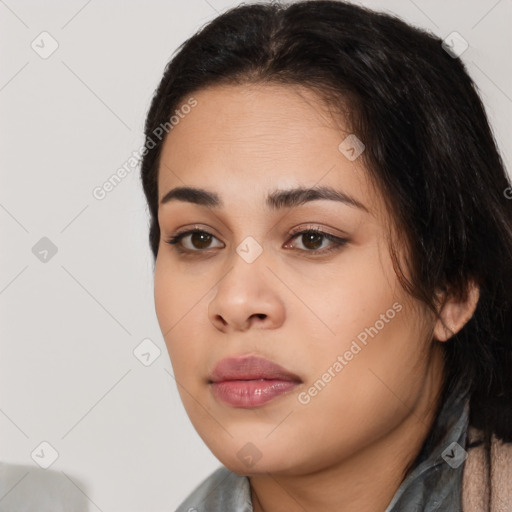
{"points": [[252, 459]]}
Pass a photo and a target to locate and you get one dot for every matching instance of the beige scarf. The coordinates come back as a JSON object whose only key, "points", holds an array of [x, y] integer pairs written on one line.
{"points": [[487, 477]]}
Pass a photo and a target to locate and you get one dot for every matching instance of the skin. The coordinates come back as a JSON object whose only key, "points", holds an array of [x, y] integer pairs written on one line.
{"points": [[348, 448]]}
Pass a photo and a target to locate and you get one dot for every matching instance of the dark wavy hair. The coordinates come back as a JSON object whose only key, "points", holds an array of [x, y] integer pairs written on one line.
{"points": [[429, 150]]}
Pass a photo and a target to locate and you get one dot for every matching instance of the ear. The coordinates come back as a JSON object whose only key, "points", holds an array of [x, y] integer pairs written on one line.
{"points": [[455, 312]]}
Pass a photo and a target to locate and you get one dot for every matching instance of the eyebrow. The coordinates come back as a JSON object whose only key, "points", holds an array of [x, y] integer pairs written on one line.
{"points": [[278, 199]]}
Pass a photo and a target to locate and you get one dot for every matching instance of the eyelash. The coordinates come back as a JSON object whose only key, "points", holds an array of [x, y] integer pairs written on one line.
{"points": [[338, 242]]}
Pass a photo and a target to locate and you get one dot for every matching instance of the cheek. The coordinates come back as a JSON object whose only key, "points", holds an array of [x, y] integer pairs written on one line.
{"points": [[177, 296], [357, 294], [166, 287], [171, 301], [377, 386], [374, 325], [181, 306], [380, 341]]}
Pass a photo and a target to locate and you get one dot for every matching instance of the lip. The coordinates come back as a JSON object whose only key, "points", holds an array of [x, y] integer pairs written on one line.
{"points": [[250, 381]]}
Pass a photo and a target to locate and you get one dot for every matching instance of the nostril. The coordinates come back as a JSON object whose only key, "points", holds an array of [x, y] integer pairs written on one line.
{"points": [[261, 316], [221, 320]]}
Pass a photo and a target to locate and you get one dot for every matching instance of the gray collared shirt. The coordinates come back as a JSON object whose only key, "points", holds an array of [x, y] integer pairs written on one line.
{"points": [[432, 485]]}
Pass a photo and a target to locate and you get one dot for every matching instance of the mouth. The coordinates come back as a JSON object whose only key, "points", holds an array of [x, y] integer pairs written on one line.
{"points": [[250, 381]]}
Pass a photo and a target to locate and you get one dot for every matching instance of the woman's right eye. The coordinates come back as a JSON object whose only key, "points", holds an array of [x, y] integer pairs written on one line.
{"points": [[194, 240]]}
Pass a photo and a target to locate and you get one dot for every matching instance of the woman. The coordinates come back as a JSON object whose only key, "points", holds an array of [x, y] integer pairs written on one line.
{"points": [[333, 264]]}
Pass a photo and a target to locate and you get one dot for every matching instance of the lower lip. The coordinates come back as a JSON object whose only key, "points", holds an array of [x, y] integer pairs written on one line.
{"points": [[250, 393]]}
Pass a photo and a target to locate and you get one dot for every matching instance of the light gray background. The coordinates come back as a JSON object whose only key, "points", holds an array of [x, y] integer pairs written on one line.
{"points": [[68, 327]]}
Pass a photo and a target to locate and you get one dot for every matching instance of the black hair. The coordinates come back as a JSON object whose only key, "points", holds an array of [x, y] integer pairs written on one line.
{"points": [[429, 150]]}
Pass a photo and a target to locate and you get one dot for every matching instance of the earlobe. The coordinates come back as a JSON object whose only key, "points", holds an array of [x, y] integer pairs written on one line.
{"points": [[455, 312]]}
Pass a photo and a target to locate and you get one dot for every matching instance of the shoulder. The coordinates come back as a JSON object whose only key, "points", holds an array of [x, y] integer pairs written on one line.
{"points": [[487, 478], [26, 488], [222, 491]]}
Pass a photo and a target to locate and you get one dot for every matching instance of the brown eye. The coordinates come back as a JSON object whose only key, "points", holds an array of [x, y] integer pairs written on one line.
{"points": [[312, 240], [194, 240], [200, 239], [315, 241]]}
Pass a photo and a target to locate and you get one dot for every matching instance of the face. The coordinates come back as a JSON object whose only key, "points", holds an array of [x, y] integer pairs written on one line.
{"points": [[289, 262]]}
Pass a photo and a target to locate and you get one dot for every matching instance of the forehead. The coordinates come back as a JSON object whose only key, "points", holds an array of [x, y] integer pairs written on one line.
{"points": [[244, 140]]}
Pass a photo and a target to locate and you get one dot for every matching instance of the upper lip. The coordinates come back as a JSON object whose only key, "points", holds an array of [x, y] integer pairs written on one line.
{"points": [[250, 368]]}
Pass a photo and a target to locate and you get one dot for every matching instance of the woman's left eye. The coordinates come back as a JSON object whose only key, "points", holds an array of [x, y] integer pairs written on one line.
{"points": [[317, 241]]}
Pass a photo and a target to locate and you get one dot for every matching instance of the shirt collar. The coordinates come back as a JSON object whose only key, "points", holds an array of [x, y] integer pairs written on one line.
{"points": [[434, 481]]}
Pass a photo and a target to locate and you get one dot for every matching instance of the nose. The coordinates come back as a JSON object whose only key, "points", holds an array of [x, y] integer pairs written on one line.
{"points": [[247, 297]]}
